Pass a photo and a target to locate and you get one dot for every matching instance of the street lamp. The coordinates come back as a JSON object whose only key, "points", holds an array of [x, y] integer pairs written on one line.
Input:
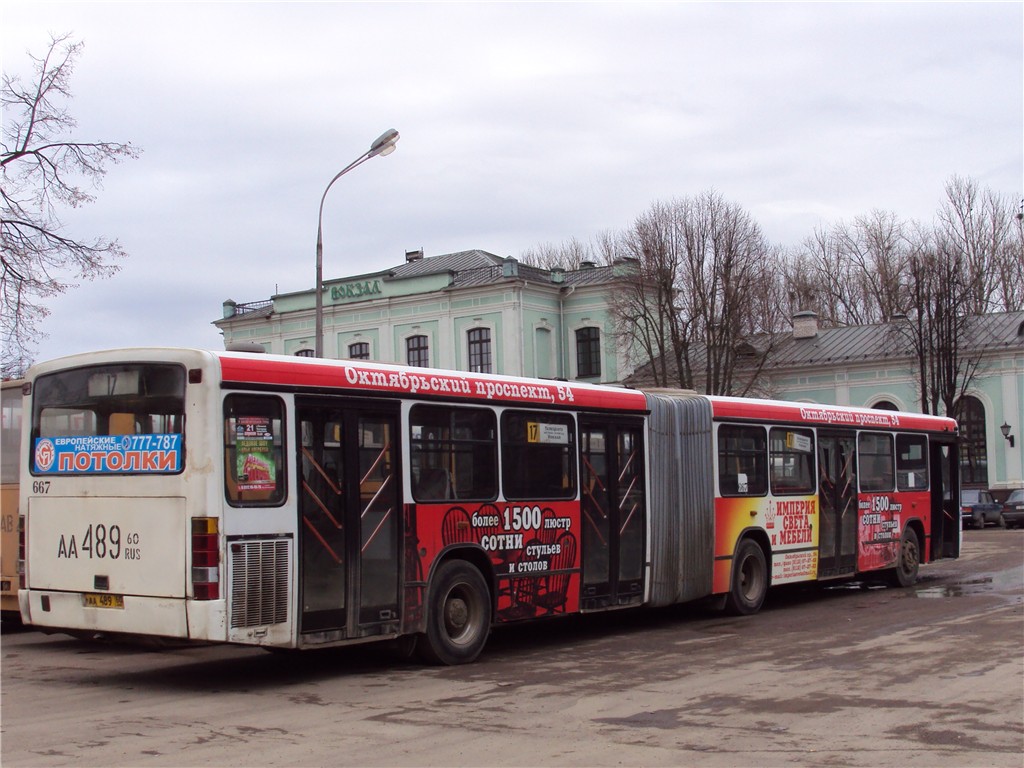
{"points": [[384, 145]]}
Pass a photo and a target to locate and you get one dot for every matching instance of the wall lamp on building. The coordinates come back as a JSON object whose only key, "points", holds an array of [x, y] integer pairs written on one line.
{"points": [[1005, 429], [383, 145]]}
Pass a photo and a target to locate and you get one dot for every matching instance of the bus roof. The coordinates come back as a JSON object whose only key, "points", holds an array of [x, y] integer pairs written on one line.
{"points": [[817, 415], [383, 378], [387, 379]]}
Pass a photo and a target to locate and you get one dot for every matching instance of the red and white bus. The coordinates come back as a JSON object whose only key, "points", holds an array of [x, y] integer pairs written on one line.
{"points": [[294, 502]]}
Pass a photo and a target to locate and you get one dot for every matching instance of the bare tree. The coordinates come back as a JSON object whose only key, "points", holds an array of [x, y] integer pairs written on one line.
{"points": [[853, 274], [707, 285], [978, 225], [645, 309], [938, 322], [569, 254], [1011, 266], [43, 170]]}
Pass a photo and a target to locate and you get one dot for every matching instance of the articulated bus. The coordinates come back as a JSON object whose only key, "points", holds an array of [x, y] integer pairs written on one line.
{"points": [[10, 468], [293, 502]]}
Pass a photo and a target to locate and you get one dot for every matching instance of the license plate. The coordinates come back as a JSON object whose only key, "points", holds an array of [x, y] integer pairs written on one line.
{"points": [[99, 600]]}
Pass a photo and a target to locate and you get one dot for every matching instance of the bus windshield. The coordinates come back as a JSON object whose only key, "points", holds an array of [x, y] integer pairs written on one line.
{"points": [[109, 419]]}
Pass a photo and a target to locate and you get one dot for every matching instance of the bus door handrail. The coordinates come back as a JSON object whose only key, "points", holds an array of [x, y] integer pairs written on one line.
{"points": [[376, 462], [322, 472]]}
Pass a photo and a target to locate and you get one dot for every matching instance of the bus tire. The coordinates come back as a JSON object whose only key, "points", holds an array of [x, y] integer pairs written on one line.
{"points": [[458, 615], [908, 560], [749, 579]]}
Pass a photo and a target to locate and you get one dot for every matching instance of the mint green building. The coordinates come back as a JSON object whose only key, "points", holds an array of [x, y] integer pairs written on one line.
{"points": [[468, 311], [474, 311]]}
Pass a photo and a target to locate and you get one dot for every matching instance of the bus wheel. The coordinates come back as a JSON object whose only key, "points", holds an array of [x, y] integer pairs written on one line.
{"points": [[458, 615], [749, 580], [909, 560]]}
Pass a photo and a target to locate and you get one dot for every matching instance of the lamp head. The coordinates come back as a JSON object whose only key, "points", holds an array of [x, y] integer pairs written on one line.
{"points": [[385, 143]]}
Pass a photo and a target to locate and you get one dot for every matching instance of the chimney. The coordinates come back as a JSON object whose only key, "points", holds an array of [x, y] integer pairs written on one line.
{"points": [[411, 256], [805, 325]]}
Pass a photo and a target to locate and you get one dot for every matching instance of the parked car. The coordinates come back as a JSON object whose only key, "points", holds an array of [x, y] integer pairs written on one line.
{"points": [[1013, 509], [978, 508]]}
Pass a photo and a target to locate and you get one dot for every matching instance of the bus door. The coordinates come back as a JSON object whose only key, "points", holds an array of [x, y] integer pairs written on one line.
{"points": [[613, 511], [349, 514], [945, 499], [837, 504]]}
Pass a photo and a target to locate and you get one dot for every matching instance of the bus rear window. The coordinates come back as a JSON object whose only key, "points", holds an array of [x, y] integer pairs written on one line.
{"points": [[109, 419]]}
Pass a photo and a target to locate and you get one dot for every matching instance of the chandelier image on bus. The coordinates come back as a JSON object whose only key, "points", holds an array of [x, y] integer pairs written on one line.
{"points": [[293, 502]]}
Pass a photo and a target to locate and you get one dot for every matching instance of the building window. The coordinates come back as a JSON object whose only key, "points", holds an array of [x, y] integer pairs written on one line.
{"points": [[480, 350], [973, 448], [588, 352], [305, 353], [417, 351], [359, 351]]}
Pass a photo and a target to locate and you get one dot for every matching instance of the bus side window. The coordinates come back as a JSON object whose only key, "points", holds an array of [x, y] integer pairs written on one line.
{"points": [[792, 461], [911, 462], [254, 467], [742, 460], [454, 453], [538, 455], [875, 461]]}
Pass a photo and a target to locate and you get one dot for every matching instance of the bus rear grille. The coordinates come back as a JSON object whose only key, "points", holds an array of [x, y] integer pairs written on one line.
{"points": [[259, 583]]}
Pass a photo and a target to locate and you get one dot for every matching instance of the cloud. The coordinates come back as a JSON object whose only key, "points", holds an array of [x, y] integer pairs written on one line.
{"points": [[521, 123]]}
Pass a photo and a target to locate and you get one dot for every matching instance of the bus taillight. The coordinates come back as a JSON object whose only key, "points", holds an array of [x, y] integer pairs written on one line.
{"points": [[205, 559], [21, 551]]}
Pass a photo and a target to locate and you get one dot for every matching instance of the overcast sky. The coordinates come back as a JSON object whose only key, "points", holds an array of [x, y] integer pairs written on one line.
{"points": [[521, 124]]}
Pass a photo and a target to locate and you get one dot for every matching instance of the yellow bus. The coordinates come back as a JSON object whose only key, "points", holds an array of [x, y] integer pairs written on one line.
{"points": [[10, 459]]}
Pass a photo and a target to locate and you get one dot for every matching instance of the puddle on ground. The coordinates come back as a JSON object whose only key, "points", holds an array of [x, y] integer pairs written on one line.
{"points": [[979, 585], [961, 589], [976, 585]]}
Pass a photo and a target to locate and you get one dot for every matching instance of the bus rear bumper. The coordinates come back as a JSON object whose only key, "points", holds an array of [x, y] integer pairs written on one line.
{"points": [[67, 611]]}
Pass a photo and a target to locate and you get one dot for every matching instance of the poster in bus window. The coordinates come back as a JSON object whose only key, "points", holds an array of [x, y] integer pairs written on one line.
{"points": [[254, 451]]}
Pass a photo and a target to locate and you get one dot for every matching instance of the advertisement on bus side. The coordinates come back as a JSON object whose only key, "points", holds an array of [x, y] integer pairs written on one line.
{"points": [[533, 547]]}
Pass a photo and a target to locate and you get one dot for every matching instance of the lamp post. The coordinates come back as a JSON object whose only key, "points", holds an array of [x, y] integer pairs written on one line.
{"points": [[383, 145]]}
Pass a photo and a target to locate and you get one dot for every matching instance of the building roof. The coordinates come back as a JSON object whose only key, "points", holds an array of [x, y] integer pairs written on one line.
{"points": [[449, 262], [466, 268], [853, 344], [890, 340]]}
